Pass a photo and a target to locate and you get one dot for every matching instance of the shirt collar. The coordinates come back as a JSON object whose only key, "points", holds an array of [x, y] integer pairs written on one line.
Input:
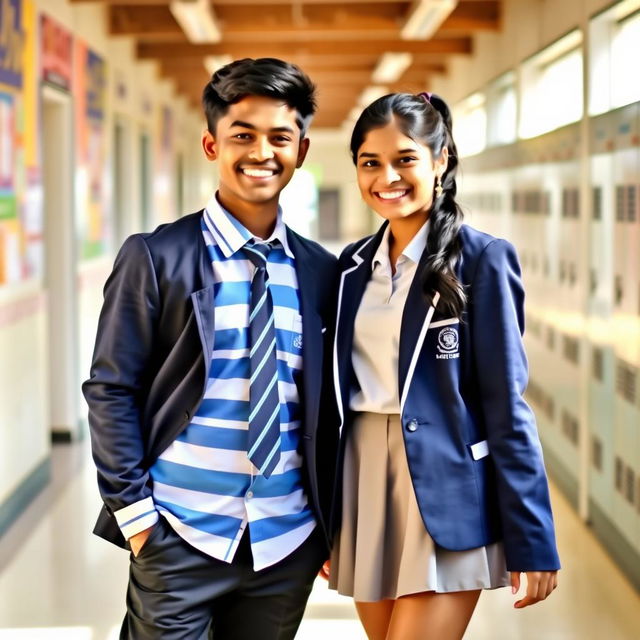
{"points": [[230, 235], [413, 251]]}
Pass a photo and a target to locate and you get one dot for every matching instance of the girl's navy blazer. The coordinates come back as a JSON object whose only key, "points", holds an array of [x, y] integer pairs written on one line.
{"points": [[471, 440]]}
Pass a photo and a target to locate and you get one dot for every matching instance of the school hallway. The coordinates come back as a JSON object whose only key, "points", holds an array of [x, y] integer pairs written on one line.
{"points": [[57, 582]]}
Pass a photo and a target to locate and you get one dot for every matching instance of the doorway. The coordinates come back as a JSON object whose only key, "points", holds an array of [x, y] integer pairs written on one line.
{"points": [[60, 264]]}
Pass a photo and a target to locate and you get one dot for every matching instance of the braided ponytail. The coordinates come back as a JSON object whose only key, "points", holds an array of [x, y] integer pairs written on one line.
{"points": [[443, 242], [426, 119]]}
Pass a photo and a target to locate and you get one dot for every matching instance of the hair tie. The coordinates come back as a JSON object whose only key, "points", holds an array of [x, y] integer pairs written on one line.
{"points": [[425, 96]]}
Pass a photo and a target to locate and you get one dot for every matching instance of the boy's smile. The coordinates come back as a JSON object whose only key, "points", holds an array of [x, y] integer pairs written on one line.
{"points": [[258, 146]]}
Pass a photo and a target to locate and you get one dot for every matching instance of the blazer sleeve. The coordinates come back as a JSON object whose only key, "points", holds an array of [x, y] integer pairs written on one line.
{"points": [[122, 352], [497, 297]]}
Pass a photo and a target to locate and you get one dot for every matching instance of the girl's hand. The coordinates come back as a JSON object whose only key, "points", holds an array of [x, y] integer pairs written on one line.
{"points": [[540, 584], [325, 570]]}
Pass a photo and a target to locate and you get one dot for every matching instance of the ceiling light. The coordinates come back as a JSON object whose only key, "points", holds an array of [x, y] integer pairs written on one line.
{"points": [[391, 66], [426, 18], [213, 63], [196, 19]]}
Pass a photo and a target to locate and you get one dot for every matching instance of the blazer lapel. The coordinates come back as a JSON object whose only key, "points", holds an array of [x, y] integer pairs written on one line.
{"points": [[353, 282], [416, 317], [203, 304], [311, 330]]}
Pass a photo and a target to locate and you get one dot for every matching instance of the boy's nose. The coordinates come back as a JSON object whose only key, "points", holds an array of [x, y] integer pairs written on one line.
{"points": [[261, 150]]}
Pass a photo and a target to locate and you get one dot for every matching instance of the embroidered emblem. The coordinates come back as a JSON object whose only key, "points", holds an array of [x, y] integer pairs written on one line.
{"points": [[448, 344], [297, 341]]}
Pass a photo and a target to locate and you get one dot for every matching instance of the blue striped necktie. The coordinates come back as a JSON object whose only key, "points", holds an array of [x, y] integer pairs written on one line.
{"points": [[264, 417]]}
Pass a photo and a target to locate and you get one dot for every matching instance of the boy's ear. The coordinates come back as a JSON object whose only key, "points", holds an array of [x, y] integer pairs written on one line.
{"points": [[209, 145], [302, 152]]}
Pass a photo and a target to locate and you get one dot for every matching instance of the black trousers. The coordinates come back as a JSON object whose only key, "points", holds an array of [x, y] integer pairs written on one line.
{"points": [[178, 593]]}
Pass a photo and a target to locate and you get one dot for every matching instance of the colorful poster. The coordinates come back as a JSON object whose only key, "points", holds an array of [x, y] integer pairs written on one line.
{"points": [[91, 192], [56, 50], [12, 38]]}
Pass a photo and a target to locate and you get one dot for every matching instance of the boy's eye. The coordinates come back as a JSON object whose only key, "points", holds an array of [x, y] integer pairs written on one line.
{"points": [[282, 139], [242, 136]]}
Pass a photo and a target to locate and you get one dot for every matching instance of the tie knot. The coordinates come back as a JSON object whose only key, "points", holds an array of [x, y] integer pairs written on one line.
{"points": [[258, 252]]}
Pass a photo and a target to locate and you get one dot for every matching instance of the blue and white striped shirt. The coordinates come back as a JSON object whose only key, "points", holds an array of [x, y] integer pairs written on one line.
{"points": [[203, 483]]}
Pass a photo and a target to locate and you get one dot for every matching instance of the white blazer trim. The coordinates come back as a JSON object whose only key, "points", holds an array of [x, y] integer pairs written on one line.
{"points": [[336, 377], [416, 351], [479, 450], [444, 323]]}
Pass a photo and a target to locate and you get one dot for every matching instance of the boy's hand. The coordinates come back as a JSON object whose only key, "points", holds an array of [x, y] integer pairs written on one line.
{"points": [[138, 541], [540, 584]]}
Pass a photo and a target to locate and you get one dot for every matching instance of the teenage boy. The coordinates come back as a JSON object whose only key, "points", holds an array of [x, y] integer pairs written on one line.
{"points": [[205, 387]]}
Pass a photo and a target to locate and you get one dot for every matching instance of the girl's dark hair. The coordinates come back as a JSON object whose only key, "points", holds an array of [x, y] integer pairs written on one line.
{"points": [[268, 77], [426, 119]]}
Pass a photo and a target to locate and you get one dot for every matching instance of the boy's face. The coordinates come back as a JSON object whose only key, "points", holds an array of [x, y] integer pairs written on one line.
{"points": [[258, 147]]}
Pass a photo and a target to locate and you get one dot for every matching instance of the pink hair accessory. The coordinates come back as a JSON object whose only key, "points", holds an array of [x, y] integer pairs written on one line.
{"points": [[425, 96]]}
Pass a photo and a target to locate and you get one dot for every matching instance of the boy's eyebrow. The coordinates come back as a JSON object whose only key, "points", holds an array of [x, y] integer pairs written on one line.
{"points": [[248, 125]]}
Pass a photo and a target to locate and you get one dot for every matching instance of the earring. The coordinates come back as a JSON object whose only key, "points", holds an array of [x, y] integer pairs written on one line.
{"points": [[439, 187]]}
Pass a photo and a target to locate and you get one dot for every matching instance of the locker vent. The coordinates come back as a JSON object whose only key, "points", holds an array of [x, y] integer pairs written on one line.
{"points": [[541, 400], [596, 452], [619, 473], [597, 203], [630, 485], [551, 338], [571, 349], [631, 203], [570, 427], [620, 192], [626, 378], [597, 364]]}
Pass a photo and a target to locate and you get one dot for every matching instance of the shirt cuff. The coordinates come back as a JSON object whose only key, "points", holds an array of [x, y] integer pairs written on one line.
{"points": [[136, 517]]}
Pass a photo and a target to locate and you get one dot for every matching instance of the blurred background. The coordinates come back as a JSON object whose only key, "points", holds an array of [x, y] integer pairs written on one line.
{"points": [[100, 127]]}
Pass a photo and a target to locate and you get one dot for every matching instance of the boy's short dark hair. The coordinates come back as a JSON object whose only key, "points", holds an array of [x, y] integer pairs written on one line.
{"points": [[268, 77]]}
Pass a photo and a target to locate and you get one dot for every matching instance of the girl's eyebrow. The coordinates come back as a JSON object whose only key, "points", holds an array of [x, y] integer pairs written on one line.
{"points": [[375, 155]]}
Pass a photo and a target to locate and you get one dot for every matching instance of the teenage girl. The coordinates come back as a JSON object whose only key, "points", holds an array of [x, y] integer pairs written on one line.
{"points": [[444, 491]]}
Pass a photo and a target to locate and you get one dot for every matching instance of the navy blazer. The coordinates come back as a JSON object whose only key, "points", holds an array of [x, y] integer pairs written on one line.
{"points": [[153, 353], [471, 440]]}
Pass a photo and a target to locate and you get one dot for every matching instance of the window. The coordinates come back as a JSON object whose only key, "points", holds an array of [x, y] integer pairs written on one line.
{"points": [[552, 87], [625, 80], [502, 110], [614, 36], [470, 125]]}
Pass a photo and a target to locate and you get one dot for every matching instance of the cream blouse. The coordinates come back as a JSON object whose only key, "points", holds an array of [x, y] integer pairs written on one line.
{"points": [[377, 327]]}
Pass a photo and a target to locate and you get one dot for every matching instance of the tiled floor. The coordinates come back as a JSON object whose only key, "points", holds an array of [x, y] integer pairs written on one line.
{"points": [[60, 583]]}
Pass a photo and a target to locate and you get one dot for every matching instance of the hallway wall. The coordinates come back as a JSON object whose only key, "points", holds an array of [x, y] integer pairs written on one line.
{"points": [[62, 50]]}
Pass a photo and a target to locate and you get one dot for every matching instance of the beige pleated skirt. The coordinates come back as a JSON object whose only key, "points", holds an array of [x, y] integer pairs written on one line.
{"points": [[383, 550]]}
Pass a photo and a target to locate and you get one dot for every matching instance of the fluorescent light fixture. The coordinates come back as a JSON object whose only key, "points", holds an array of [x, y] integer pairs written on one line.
{"points": [[426, 18], [213, 63], [370, 94], [196, 19], [390, 67]]}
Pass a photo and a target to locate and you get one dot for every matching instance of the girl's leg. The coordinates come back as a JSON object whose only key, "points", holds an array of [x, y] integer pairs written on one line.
{"points": [[432, 616], [375, 617]]}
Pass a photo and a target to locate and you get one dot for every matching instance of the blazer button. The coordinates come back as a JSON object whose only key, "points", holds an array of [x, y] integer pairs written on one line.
{"points": [[412, 426]]}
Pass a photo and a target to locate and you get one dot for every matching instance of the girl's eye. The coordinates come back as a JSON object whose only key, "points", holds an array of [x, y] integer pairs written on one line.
{"points": [[369, 163], [407, 159]]}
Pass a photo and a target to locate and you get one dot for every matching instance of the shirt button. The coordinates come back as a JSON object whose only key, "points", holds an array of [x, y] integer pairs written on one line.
{"points": [[248, 495], [412, 426]]}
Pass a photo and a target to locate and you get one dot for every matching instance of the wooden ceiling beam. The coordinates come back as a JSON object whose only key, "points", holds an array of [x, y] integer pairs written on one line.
{"points": [[477, 15], [462, 45]]}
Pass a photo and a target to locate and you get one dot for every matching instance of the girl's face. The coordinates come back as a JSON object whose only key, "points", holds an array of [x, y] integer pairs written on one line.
{"points": [[396, 174]]}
